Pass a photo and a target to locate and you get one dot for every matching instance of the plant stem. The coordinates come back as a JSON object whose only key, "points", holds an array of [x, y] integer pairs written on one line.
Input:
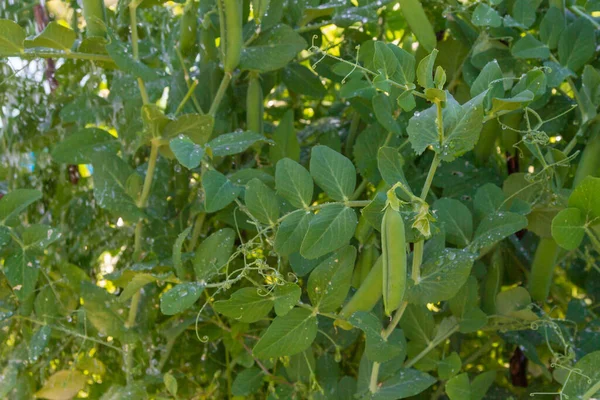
{"points": [[134, 45], [385, 335], [186, 97], [142, 203], [220, 93], [434, 165], [130, 348], [61, 54], [430, 347], [417, 260]]}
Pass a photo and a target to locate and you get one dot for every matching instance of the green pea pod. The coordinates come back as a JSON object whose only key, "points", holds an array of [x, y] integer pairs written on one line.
{"points": [[207, 36], [589, 163], [393, 249], [419, 24], [254, 105], [487, 140], [188, 28], [95, 17], [367, 295], [366, 259], [233, 34], [493, 282], [542, 269]]}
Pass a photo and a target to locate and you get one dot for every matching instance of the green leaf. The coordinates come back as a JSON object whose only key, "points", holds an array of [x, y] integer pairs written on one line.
{"points": [[302, 80], [170, 383], [262, 202], [287, 335], [462, 125], [484, 15], [294, 183], [449, 366], [286, 142], [405, 73], [54, 36], [234, 143], [384, 60], [177, 262], [37, 237], [39, 342], [188, 153], [568, 228], [406, 383], [457, 220], [104, 312], [505, 105], [272, 49], [330, 229], [529, 47], [488, 199], [286, 296], [291, 232], [378, 349], [329, 283], [213, 253], [122, 57], [465, 306], [390, 163], [523, 12], [247, 382], [552, 26], [218, 191], [21, 270], [495, 227], [586, 383], [110, 186], [577, 44], [585, 197], [79, 147], [515, 302], [333, 172], [197, 127], [14, 202], [425, 70], [12, 37], [458, 387], [442, 276], [135, 284], [419, 23], [61, 385], [481, 384], [418, 324], [245, 305], [533, 81], [180, 298], [383, 112], [489, 79]]}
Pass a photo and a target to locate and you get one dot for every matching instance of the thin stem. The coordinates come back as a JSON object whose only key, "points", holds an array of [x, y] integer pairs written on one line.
{"points": [[373, 386], [434, 165], [130, 348], [220, 93], [142, 203], [196, 231], [417, 260], [134, 45], [186, 97], [62, 54], [361, 188], [432, 345], [580, 12], [165, 355]]}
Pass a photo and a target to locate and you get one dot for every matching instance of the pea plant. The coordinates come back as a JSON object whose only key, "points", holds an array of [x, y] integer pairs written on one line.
{"points": [[299, 199]]}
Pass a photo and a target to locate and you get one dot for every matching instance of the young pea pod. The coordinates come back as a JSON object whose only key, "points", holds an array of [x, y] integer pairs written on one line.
{"points": [[417, 20], [493, 282], [233, 33], [393, 249], [188, 28], [254, 105], [542, 269], [366, 296], [95, 17], [366, 260]]}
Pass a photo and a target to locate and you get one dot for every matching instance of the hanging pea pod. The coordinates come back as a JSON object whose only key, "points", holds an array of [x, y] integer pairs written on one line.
{"points": [[366, 260], [393, 254], [95, 17], [366, 296], [232, 32], [188, 28], [419, 24], [207, 38], [493, 282], [542, 269], [254, 105], [487, 140]]}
